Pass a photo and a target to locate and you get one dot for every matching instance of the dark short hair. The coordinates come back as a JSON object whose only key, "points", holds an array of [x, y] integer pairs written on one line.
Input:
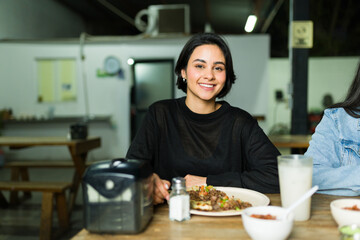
{"points": [[199, 40]]}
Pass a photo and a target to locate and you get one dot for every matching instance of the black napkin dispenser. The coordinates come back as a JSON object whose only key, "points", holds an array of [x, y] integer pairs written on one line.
{"points": [[117, 196], [78, 131]]}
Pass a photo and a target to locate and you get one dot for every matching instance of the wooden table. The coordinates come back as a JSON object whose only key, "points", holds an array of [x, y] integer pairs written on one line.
{"points": [[297, 143], [78, 151], [290, 141], [320, 226]]}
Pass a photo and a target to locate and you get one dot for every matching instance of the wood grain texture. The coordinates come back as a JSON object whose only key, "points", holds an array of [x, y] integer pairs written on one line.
{"points": [[58, 187], [320, 226], [38, 164], [290, 141], [46, 216], [21, 142]]}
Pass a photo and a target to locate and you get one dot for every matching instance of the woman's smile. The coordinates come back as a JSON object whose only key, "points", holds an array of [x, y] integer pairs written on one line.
{"points": [[207, 86]]}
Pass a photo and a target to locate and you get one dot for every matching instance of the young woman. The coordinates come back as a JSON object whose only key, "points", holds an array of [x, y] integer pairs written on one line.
{"points": [[204, 140], [335, 146]]}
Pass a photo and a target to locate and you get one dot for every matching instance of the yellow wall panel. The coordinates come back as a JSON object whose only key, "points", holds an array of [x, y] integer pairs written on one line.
{"points": [[56, 80], [67, 77], [46, 81]]}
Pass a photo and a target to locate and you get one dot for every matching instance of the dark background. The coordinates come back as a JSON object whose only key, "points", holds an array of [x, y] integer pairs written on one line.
{"points": [[336, 24]]}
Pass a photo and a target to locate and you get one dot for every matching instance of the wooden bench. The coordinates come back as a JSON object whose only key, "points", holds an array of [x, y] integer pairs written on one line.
{"points": [[50, 191], [19, 171], [13, 164]]}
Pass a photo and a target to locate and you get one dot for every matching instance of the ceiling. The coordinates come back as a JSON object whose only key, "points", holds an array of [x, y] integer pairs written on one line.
{"points": [[109, 17], [336, 27]]}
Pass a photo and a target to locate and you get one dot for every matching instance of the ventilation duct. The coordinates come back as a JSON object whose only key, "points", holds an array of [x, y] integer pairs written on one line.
{"points": [[164, 20]]}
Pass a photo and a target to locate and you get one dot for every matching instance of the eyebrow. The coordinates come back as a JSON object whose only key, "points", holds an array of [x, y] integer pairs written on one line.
{"points": [[203, 61]]}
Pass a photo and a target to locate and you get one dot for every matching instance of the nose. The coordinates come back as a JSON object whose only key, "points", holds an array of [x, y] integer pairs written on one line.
{"points": [[209, 74]]}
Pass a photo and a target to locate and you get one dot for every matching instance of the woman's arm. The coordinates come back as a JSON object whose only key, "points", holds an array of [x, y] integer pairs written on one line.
{"points": [[142, 147], [144, 143], [333, 174]]}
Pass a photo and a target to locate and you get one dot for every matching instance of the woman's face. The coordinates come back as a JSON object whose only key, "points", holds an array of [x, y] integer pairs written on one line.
{"points": [[205, 73]]}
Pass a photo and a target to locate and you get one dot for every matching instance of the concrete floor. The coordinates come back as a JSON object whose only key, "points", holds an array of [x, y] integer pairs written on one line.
{"points": [[22, 222]]}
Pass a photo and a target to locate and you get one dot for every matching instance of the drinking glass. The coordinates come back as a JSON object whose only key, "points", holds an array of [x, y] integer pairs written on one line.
{"points": [[295, 177]]}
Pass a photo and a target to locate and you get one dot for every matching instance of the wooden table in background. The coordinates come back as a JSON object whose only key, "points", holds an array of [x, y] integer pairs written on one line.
{"points": [[78, 151], [320, 226], [298, 143]]}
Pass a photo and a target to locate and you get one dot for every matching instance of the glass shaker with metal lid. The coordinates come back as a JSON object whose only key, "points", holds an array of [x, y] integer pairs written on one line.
{"points": [[179, 202]]}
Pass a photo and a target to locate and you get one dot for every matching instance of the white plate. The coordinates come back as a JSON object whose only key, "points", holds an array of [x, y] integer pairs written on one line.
{"points": [[247, 195]]}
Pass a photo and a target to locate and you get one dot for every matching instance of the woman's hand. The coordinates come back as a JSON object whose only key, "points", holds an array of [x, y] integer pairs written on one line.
{"points": [[160, 189], [192, 180]]}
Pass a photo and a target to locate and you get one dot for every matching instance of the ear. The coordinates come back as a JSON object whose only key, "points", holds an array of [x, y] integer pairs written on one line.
{"points": [[183, 73]]}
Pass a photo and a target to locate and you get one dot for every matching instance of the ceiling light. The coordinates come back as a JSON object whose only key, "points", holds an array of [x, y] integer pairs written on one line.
{"points": [[130, 61], [208, 28], [250, 23]]}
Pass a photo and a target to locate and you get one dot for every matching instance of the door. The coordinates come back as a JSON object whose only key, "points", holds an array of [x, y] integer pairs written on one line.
{"points": [[153, 81]]}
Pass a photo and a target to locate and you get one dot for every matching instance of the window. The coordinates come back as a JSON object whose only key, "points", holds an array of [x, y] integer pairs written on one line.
{"points": [[56, 80]]}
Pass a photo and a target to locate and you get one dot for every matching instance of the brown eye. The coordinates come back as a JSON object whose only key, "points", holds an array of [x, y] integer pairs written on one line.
{"points": [[199, 66]]}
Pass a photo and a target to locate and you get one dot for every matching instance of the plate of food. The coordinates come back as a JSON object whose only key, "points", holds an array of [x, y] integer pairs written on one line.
{"points": [[224, 201]]}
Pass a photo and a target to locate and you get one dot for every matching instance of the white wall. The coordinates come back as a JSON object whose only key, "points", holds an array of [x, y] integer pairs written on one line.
{"points": [[111, 95], [250, 57], [329, 75], [326, 75], [37, 19]]}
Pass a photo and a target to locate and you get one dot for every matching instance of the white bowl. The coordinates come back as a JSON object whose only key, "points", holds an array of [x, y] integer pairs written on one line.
{"points": [[342, 216], [262, 229]]}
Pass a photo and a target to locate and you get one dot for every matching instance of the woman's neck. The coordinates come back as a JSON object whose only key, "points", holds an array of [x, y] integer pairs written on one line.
{"points": [[202, 106]]}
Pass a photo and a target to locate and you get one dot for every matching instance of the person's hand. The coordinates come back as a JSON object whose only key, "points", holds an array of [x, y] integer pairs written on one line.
{"points": [[160, 189], [192, 180]]}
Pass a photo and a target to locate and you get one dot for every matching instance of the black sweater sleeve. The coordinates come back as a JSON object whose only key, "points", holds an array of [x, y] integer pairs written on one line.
{"points": [[260, 160], [144, 143]]}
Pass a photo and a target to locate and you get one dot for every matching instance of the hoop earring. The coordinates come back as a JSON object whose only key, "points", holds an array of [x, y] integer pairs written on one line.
{"points": [[184, 80]]}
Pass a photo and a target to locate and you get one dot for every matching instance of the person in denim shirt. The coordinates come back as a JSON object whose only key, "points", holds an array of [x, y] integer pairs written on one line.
{"points": [[335, 146]]}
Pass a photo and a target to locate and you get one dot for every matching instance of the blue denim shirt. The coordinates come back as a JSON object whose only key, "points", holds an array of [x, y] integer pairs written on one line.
{"points": [[335, 149]]}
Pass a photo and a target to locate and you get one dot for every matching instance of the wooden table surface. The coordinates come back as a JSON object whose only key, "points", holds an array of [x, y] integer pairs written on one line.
{"points": [[320, 226], [78, 150], [22, 142], [290, 141]]}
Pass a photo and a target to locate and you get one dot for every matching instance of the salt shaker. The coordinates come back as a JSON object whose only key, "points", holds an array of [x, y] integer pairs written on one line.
{"points": [[179, 202]]}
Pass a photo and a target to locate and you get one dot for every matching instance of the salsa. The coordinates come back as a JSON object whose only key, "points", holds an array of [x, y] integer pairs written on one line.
{"points": [[354, 208]]}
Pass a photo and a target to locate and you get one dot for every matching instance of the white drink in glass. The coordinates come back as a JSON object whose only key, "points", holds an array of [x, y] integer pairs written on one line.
{"points": [[295, 177]]}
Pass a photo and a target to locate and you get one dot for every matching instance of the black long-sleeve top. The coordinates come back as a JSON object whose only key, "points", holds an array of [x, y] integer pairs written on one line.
{"points": [[226, 146]]}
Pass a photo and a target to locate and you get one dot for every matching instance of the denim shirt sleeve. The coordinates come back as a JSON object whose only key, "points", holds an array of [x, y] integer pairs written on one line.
{"points": [[335, 149]]}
